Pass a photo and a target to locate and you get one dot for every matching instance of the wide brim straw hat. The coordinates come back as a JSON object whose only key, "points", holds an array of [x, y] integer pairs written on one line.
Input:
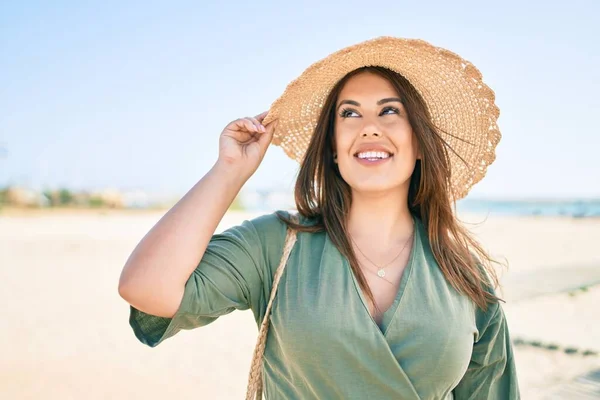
{"points": [[460, 104]]}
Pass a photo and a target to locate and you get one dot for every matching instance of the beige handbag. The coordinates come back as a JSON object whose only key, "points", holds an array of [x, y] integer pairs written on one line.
{"points": [[255, 387]]}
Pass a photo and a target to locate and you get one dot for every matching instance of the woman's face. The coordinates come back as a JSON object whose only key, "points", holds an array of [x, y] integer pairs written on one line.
{"points": [[375, 145]]}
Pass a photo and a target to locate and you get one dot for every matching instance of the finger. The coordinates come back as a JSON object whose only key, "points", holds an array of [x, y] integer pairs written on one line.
{"points": [[258, 124], [265, 139], [246, 124], [262, 116], [272, 124]]}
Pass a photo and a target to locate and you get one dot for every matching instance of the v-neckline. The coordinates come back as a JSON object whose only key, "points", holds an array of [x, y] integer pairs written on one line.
{"points": [[389, 314]]}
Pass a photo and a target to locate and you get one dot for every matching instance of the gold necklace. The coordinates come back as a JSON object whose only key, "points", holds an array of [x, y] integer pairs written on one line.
{"points": [[381, 270]]}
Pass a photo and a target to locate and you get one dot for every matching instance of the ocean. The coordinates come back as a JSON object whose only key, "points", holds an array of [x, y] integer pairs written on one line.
{"points": [[265, 200], [568, 208]]}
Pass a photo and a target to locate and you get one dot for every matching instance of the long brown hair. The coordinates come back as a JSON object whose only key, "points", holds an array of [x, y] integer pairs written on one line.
{"points": [[322, 194]]}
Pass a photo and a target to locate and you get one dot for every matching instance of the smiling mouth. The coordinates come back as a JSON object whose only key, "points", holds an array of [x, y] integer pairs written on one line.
{"points": [[373, 156]]}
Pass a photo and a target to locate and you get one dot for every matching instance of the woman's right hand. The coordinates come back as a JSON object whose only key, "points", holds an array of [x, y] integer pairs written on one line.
{"points": [[244, 142]]}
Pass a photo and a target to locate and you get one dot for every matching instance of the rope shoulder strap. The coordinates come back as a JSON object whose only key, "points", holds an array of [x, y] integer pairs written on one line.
{"points": [[255, 389]]}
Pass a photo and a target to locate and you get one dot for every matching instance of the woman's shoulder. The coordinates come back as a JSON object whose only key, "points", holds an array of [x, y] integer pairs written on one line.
{"points": [[269, 231], [275, 222], [269, 228], [271, 223]]}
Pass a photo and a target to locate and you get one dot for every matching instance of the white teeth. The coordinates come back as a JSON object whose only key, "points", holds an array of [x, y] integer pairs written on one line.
{"points": [[373, 154]]}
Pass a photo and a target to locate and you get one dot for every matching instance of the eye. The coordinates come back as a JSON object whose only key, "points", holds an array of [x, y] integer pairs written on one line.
{"points": [[344, 113], [394, 109]]}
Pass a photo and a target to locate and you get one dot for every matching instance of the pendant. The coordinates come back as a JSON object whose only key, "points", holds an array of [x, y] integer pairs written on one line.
{"points": [[381, 273]]}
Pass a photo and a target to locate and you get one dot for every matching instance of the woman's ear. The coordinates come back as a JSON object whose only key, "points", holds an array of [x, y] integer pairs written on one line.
{"points": [[335, 158]]}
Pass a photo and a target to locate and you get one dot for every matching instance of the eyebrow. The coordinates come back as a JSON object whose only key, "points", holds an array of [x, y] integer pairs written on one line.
{"points": [[380, 102]]}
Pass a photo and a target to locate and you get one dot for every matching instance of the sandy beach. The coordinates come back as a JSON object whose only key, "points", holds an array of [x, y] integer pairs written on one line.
{"points": [[66, 335]]}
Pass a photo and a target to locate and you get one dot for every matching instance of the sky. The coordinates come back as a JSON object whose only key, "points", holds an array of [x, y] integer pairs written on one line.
{"points": [[134, 95]]}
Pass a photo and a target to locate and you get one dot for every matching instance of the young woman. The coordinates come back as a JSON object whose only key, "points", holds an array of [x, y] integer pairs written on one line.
{"points": [[384, 295]]}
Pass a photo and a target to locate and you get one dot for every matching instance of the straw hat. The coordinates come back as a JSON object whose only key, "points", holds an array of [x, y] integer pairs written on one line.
{"points": [[460, 104]]}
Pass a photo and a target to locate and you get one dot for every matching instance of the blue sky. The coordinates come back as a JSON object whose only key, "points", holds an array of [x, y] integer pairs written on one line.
{"points": [[134, 94]]}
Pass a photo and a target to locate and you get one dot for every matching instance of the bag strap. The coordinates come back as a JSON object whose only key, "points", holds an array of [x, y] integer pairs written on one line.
{"points": [[255, 388]]}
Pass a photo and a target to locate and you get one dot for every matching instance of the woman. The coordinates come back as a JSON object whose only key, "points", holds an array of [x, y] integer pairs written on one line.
{"points": [[385, 295]]}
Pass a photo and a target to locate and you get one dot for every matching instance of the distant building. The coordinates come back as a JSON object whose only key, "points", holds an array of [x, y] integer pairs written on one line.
{"points": [[267, 199], [25, 197], [136, 199], [111, 198]]}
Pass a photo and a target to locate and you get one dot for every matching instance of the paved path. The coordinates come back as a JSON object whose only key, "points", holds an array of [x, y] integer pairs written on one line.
{"points": [[555, 308], [585, 387], [528, 285], [525, 293]]}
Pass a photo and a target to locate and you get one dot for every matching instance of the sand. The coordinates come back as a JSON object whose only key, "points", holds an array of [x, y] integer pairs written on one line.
{"points": [[65, 332]]}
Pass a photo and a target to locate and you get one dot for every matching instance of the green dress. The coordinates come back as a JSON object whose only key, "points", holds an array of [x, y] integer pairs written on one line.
{"points": [[433, 343]]}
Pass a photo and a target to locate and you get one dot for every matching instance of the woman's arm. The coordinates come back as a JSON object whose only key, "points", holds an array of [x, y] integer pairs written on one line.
{"points": [[492, 373], [154, 277]]}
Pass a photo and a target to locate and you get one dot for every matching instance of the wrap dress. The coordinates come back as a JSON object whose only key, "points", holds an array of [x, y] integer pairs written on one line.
{"points": [[432, 343]]}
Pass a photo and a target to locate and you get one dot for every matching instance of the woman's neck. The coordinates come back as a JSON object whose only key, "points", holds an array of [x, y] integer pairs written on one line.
{"points": [[384, 219]]}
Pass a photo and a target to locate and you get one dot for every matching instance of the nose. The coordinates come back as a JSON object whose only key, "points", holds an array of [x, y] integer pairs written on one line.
{"points": [[370, 127], [366, 134]]}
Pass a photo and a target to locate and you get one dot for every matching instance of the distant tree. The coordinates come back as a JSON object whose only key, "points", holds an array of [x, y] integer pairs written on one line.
{"points": [[65, 197], [51, 197], [96, 202], [3, 192]]}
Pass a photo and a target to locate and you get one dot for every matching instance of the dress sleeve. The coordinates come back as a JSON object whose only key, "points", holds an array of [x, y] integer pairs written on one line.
{"points": [[235, 273], [491, 373]]}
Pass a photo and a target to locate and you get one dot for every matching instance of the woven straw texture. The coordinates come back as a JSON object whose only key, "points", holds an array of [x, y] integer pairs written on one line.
{"points": [[460, 104], [255, 388]]}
